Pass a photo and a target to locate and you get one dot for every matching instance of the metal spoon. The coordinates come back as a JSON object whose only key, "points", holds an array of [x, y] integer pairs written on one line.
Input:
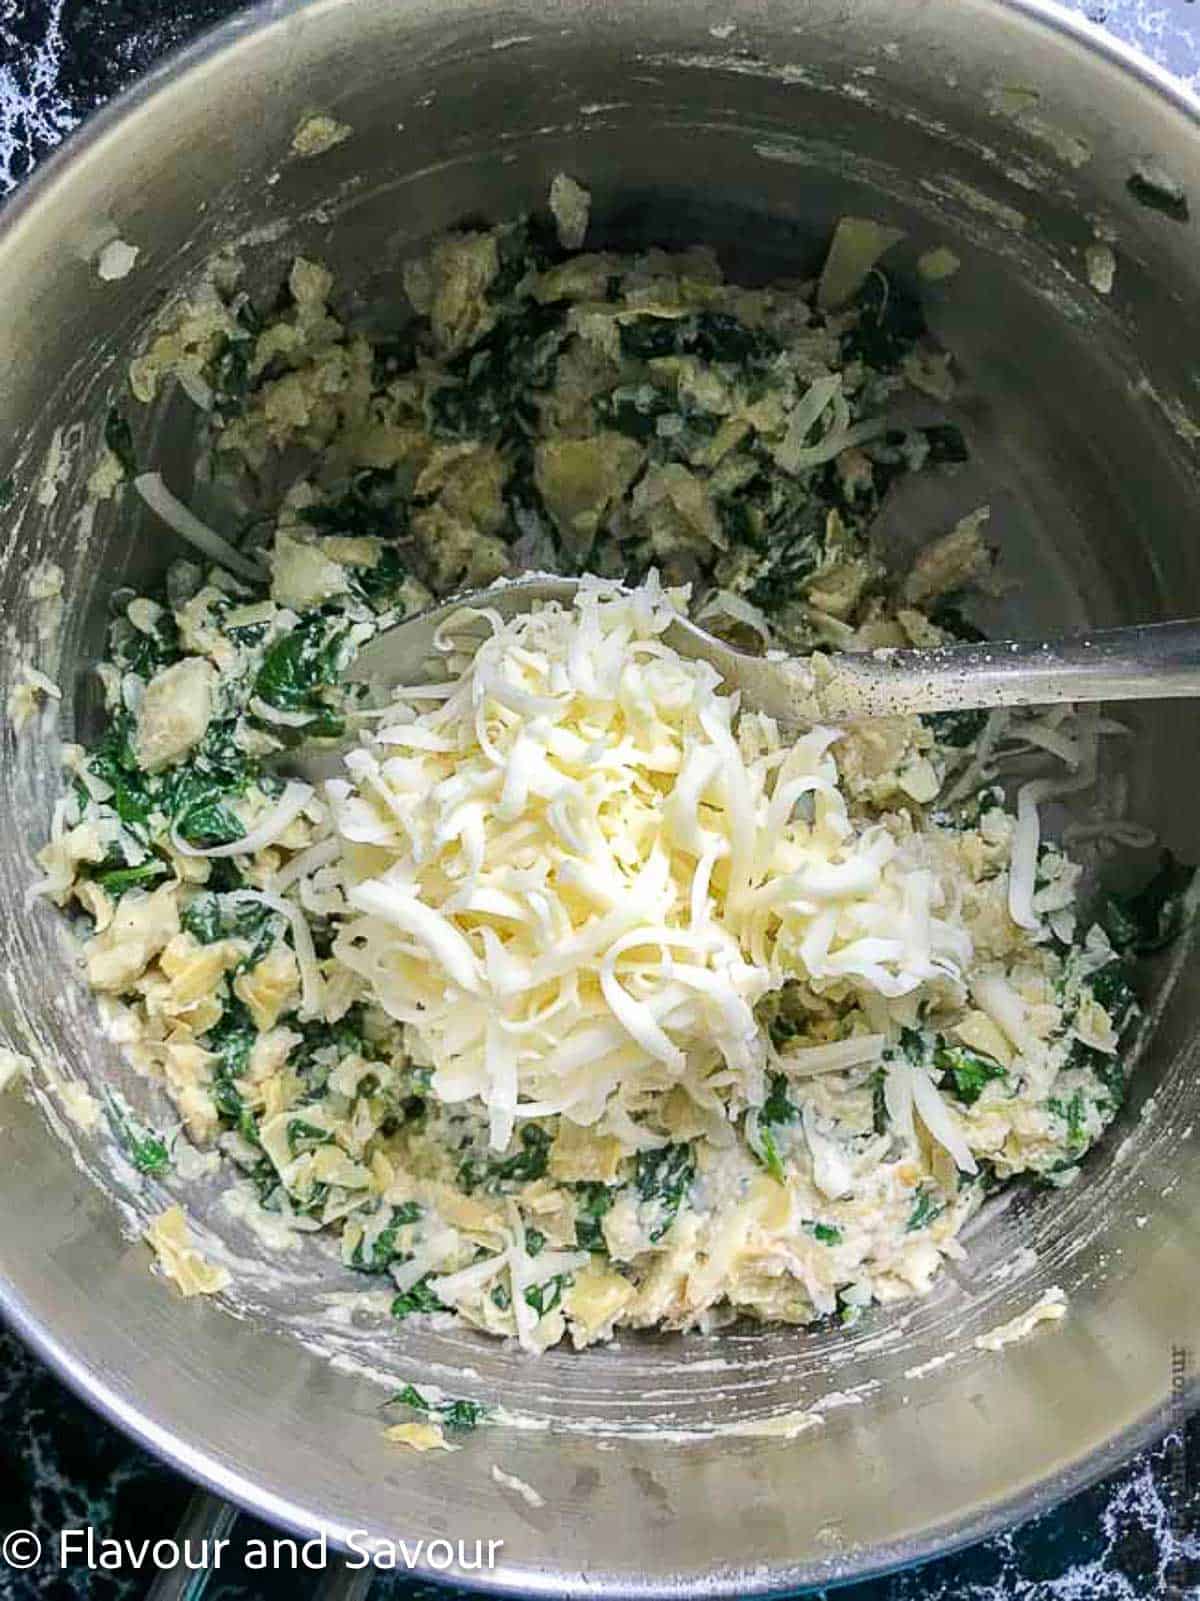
{"points": [[1153, 661]]}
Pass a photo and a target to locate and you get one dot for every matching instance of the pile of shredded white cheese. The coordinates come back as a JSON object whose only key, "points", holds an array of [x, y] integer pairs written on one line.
{"points": [[578, 870]]}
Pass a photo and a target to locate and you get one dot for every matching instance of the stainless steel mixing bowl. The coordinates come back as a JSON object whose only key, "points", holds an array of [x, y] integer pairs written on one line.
{"points": [[1002, 130]]}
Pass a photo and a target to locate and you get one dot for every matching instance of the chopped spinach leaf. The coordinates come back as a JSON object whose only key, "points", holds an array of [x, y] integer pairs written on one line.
{"points": [[794, 524], [741, 523], [777, 1108], [231, 377], [202, 918], [957, 729], [229, 1104], [785, 1016], [380, 584], [323, 1045], [966, 1071], [304, 1136], [529, 1162], [205, 821], [393, 354], [382, 1251], [717, 336], [370, 506], [114, 763], [916, 1045], [232, 1037], [301, 663], [529, 245], [971, 811], [712, 336], [145, 652], [1074, 1115], [647, 337], [677, 429], [1108, 1070], [1112, 990], [664, 1176], [850, 1314], [927, 1207], [313, 1201], [771, 1158], [633, 410], [231, 1040], [543, 1298], [495, 382], [259, 926], [880, 1120], [420, 1298], [265, 1178], [207, 918], [454, 1414], [408, 1396], [146, 1149], [116, 880], [592, 1202], [462, 1415], [196, 792], [889, 324], [229, 371]]}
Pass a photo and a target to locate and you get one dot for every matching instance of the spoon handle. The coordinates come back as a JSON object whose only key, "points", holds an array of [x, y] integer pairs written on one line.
{"points": [[1154, 661]]}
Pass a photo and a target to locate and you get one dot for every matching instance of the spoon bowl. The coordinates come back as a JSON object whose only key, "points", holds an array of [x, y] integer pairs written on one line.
{"points": [[1151, 661]]}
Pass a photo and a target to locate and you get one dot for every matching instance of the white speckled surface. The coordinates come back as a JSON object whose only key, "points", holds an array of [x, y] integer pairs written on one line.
{"points": [[34, 110], [1168, 31], [1134, 1537]]}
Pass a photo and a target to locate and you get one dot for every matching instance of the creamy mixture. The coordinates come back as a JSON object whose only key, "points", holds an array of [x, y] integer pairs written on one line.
{"points": [[585, 999]]}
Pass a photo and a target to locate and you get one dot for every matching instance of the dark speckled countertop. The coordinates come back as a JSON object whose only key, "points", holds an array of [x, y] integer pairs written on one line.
{"points": [[1133, 1537]]}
